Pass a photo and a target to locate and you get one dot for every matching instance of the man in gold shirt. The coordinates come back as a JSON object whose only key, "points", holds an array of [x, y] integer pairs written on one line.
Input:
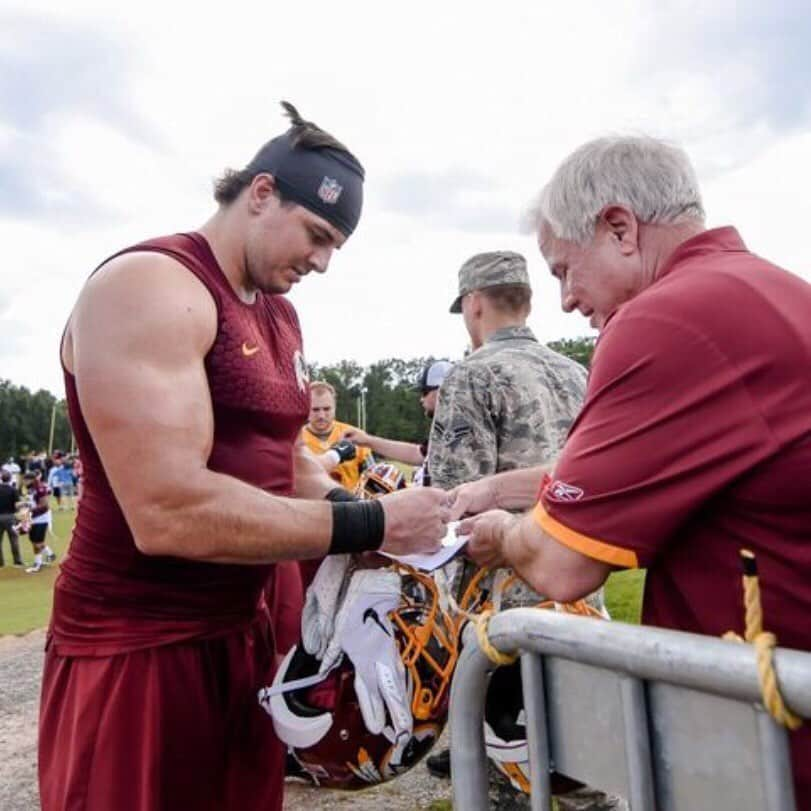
{"points": [[323, 435]]}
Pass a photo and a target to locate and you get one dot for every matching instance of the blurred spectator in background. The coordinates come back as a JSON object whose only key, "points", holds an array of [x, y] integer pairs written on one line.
{"points": [[411, 453], [55, 479], [343, 460], [33, 463], [13, 469], [9, 496], [40, 521], [78, 473], [60, 482]]}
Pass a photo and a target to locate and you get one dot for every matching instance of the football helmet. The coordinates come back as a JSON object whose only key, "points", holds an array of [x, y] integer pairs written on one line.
{"points": [[323, 724], [505, 733], [379, 479]]}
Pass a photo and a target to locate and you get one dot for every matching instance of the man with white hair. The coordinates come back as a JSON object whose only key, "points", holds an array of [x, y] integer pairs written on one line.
{"points": [[695, 436], [13, 470]]}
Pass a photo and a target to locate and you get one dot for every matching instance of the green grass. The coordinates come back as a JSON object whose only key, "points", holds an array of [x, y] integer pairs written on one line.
{"points": [[623, 595], [25, 599], [406, 469]]}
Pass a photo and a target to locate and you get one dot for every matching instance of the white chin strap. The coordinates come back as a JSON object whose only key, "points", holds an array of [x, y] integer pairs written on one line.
{"points": [[294, 730], [503, 751]]}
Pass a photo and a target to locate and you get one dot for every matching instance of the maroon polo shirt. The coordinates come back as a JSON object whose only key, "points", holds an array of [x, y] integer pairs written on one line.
{"points": [[695, 441]]}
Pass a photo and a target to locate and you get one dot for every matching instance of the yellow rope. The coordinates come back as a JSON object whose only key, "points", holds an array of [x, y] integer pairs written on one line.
{"points": [[764, 644], [754, 611], [481, 621]]}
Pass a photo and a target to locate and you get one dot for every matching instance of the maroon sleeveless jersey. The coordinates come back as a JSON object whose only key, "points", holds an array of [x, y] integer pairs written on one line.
{"points": [[109, 597]]}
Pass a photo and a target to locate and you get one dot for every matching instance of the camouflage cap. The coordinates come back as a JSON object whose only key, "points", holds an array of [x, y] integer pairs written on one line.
{"points": [[490, 270]]}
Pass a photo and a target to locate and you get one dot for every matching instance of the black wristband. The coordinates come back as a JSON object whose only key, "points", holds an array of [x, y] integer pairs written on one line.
{"points": [[356, 527], [339, 494]]}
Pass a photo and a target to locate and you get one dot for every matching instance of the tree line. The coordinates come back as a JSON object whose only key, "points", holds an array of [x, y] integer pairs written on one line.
{"points": [[25, 421], [386, 388]]}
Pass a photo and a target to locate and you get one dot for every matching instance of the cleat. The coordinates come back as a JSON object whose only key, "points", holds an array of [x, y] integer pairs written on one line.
{"points": [[439, 765]]}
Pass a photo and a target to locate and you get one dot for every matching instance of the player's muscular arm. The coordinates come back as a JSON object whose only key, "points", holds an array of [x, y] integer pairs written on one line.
{"points": [[138, 337]]}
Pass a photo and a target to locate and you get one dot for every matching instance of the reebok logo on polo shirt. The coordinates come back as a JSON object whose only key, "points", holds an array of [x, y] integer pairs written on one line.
{"points": [[560, 491]]}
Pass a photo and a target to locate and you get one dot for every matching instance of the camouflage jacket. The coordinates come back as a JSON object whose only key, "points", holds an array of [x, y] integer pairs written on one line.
{"points": [[508, 405]]}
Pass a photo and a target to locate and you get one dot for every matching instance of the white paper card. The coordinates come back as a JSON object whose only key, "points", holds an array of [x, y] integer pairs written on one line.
{"points": [[451, 544]]}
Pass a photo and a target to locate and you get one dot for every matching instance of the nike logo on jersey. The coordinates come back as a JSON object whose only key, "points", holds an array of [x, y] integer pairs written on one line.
{"points": [[370, 613], [249, 350]]}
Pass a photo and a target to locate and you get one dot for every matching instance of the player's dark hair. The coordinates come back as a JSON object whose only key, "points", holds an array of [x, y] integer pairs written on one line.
{"points": [[302, 134]]}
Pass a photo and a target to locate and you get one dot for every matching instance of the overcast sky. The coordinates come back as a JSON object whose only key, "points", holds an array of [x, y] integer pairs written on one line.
{"points": [[115, 119]]}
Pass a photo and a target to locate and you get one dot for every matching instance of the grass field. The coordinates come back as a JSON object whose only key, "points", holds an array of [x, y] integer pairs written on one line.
{"points": [[25, 599], [623, 595]]}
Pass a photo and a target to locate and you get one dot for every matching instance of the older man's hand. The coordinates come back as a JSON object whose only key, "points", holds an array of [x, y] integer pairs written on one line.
{"points": [[487, 533], [472, 498]]}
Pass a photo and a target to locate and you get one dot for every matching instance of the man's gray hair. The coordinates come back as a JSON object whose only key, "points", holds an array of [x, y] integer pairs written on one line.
{"points": [[652, 178]]}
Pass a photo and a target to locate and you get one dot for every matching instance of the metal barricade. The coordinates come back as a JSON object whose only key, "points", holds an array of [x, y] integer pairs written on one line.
{"points": [[670, 721]]}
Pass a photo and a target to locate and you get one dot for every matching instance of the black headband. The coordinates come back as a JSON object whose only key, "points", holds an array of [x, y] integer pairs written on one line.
{"points": [[325, 181]]}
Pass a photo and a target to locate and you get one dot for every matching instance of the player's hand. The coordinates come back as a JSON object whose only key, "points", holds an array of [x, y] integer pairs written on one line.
{"points": [[345, 450], [416, 520], [487, 533], [356, 436], [472, 498]]}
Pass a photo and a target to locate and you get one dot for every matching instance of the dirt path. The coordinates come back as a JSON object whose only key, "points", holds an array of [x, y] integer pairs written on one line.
{"points": [[20, 668]]}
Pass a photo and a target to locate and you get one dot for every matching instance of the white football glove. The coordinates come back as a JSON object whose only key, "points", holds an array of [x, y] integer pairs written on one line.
{"points": [[321, 604], [365, 634]]}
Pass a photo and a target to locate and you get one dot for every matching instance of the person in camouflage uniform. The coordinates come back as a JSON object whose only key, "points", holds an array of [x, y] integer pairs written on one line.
{"points": [[510, 403], [507, 406]]}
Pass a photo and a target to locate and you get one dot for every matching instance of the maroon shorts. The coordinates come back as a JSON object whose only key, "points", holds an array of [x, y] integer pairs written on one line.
{"points": [[286, 600], [161, 729], [308, 569]]}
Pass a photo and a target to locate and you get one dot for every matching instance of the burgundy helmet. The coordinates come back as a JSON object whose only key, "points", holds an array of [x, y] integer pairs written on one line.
{"points": [[322, 725], [379, 479]]}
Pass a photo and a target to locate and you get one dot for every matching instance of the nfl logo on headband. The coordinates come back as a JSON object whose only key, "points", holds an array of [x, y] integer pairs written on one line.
{"points": [[330, 190]]}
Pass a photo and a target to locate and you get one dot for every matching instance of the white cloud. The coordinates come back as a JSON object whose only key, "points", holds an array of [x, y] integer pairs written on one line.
{"points": [[459, 112]]}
